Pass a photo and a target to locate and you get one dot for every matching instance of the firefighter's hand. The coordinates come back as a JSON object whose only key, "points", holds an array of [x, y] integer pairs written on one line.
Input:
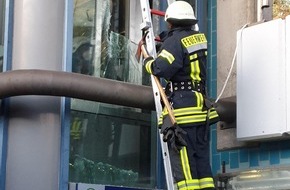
{"points": [[142, 45], [171, 138], [173, 134]]}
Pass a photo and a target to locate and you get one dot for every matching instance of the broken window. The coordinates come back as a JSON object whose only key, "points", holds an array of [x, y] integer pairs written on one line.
{"points": [[109, 144], [101, 45]]}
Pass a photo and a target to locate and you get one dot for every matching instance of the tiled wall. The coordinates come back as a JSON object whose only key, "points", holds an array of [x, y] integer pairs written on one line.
{"points": [[267, 154]]}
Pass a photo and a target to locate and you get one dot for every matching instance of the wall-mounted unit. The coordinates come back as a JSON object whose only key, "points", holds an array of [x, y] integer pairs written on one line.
{"points": [[263, 80]]}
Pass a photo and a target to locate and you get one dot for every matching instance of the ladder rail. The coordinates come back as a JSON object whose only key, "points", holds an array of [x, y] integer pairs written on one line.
{"points": [[150, 43]]}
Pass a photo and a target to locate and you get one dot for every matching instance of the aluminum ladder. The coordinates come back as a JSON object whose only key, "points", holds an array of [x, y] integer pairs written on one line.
{"points": [[150, 44]]}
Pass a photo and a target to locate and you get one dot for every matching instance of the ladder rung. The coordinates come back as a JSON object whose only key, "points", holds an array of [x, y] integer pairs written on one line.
{"points": [[157, 12]]}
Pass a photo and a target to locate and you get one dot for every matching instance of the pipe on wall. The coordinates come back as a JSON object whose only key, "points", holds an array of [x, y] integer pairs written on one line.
{"points": [[226, 108], [74, 85]]}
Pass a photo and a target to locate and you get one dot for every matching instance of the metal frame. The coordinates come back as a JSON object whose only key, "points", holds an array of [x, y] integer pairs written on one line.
{"points": [[7, 62], [65, 102]]}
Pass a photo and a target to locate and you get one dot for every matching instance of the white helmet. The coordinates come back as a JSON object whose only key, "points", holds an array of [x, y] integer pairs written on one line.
{"points": [[180, 11]]}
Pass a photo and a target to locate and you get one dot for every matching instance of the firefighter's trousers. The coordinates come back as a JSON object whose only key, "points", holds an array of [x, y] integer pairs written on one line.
{"points": [[191, 167]]}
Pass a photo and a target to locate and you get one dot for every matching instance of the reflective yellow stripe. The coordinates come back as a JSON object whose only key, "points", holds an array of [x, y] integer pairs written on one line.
{"points": [[213, 113], [197, 74], [187, 111], [199, 99], [191, 119], [195, 71], [192, 57], [190, 115], [165, 54], [193, 184], [182, 185], [148, 66], [206, 182], [185, 163], [76, 129]]}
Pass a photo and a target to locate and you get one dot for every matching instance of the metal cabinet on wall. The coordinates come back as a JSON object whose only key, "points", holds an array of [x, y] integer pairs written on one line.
{"points": [[263, 79]]}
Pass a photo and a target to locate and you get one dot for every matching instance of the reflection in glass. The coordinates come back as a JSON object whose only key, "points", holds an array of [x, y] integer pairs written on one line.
{"points": [[109, 144], [101, 44], [111, 149]]}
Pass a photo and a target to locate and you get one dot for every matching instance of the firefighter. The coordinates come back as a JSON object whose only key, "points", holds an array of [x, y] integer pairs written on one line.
{"points": [[181, 61]]}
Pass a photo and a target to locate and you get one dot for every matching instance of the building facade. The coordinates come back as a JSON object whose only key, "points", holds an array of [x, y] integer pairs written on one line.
{"points": [[49, 141]]}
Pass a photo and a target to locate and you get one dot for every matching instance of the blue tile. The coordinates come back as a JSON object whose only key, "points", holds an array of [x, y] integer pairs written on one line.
{"points": [[272, 146], [209, 12], [213, 88], [209, 54], [244, 155], [214, 17], [214, 65], [208, 37], [254, 158], [244, 166], [214, 43], [285, 153], [264, 155], [284, 162], [234, 160], [214, 142], [225, 156], [264, 164], [214, 3], [216, 164], [214, 72], [274, 157], [285, 145]]}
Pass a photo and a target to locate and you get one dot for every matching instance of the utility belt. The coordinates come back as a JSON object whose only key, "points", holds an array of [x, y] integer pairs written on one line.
{"points": [[185, 86]]}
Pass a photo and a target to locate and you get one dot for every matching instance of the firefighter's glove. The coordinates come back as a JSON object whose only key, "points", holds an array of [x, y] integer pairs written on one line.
{"points": [[170, 138], [179, 133], [173, 134]]}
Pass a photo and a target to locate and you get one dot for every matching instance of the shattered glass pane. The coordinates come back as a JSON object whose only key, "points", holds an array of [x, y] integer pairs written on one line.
{"points": [[113, 150], [99, 48], [109, 144]]}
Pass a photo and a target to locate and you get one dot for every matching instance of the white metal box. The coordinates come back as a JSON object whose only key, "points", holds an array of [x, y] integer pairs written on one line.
{"points": [[262, 80]]}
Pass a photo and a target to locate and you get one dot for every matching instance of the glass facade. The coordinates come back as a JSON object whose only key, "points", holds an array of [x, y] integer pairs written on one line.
{"points": [[2, 16], [109, 144]]}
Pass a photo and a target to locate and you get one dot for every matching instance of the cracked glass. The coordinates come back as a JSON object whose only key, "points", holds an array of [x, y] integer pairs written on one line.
{"points": [[109, 144]]}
